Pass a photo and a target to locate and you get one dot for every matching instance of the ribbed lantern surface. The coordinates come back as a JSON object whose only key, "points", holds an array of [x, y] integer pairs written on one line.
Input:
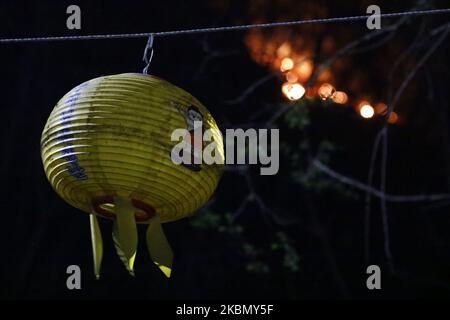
{"points": [[110, 138]]}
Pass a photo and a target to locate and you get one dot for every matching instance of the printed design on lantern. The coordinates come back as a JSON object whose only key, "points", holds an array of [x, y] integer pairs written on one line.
{"points": [[194, 123]]}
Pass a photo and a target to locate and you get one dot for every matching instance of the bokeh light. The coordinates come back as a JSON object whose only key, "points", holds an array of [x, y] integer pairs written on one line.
{"points": [[381, 108], [291, 77], [366, 111], [284, 50], [293, 91], [286, 64], [326, 90], [304, 69], [340, 97], [393, 117]]}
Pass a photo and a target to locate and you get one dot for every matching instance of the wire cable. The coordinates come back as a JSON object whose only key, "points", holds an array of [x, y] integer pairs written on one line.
{"points": [[223, 29]]}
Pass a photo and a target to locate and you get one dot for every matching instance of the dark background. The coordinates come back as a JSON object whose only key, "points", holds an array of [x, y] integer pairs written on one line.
{"points": [[41, 235]]}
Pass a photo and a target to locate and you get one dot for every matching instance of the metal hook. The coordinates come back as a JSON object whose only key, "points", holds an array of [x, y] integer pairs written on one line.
{"points": [[148, 59]]}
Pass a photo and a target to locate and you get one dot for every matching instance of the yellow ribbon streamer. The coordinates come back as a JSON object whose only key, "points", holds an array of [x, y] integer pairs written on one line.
{"points": [[158, 247], [97, 244], [125, 232]]}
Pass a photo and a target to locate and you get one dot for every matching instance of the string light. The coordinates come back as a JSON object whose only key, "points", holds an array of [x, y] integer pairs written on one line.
{"points": [[284, 50], [291, 77], [367, 111], [286, 64], [393, 117], [304, 69], [326, 90], [381, 108], [293, 91], [340, 97]]}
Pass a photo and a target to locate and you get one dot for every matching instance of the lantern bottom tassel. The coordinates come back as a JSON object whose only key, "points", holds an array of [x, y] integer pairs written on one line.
{"points": [[125, 239], [125, 232], [97, 244], [158, 247]]}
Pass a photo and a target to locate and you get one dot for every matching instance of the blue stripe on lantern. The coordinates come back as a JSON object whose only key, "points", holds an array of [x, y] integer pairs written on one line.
{"points": [[74, 167]]}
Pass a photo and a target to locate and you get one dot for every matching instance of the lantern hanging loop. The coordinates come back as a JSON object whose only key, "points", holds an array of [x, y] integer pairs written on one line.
{"points": [[148, 53]]}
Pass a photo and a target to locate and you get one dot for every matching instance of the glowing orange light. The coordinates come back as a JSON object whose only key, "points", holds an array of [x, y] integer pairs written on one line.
{"points": [[285, 87], [325, 76], [326, 90], [367, 111], [284, 50], [291, 77], [381, 108], [360, 104], [293, 91], [286, 64], [340, 97], [311, 92], [304, 69], [393, 117]]}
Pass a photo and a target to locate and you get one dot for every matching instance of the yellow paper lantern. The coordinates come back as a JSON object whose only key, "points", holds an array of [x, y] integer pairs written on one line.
{"points": [[106, 150]]}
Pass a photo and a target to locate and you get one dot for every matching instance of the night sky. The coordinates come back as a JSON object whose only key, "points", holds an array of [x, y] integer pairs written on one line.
{"points": [[42, 235]]}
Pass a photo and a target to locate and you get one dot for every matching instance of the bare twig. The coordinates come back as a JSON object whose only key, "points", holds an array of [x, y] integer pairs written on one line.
{"points": [[211, 54], [384, 216], [347, 49], [278, 114], [241, 98], [375, 192], [373, 157], [384, 155], [417, 67]]}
